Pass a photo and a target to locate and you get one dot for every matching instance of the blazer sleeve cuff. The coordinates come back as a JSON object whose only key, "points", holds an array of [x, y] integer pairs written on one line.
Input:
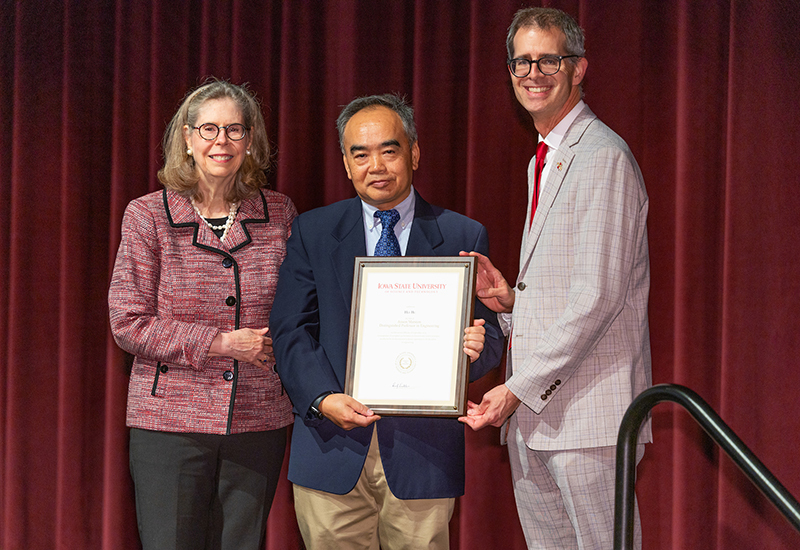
{"points": [[197, 344]]}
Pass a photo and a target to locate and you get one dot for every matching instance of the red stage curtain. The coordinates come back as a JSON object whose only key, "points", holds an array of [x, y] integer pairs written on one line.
{"points": [[704, 93]]}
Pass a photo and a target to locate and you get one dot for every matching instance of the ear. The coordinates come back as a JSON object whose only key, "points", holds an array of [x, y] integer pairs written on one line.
{"points": [[580, 71], [347, 167], [415, 155], [187, 135]]}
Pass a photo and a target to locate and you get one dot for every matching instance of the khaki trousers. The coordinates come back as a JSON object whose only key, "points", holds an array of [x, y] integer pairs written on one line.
{"points": [[370, 517]]}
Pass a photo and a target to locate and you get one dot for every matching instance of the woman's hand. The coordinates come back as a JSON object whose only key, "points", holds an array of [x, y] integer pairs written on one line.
{"points": [[246, 344]]}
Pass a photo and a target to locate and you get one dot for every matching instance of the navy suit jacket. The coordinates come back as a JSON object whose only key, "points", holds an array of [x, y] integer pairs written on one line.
{"points": [[309, 324]]}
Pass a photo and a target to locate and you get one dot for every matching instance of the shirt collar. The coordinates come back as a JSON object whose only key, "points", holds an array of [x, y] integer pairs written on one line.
{"points": [[405, 209], [556, 135]]}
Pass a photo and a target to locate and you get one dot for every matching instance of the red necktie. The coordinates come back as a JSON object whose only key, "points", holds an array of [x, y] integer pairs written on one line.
{"points": [[541, 154]]}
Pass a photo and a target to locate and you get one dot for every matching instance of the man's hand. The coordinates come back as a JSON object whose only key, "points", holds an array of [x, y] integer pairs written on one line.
{"points": [[346, 412], [474, 338], [495, 407], [492, 288]]}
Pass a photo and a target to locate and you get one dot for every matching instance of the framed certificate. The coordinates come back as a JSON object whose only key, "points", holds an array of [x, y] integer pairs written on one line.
{"points": [[405, 355]]}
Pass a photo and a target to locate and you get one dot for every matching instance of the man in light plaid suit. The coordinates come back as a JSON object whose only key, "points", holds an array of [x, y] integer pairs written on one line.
{"points": [[579, 340]]}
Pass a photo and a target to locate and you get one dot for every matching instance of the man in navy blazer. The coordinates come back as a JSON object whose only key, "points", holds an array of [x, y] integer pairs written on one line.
{"points": [[361, 481]]}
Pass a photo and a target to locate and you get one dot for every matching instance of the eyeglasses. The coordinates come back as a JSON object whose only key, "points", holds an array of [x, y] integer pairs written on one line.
{"points": [[548, 65], [209, 131]]}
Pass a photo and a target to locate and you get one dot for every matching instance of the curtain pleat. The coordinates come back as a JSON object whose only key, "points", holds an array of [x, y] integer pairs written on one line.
{"points": [[704, 94], [760, 265]]}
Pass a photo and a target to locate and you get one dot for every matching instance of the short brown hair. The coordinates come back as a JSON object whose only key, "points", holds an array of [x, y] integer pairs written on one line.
{"points": [[545, 19]]}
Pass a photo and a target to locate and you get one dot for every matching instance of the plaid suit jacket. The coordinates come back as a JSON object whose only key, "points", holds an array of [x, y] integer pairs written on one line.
{"points": [[175, 286], [580, 347]]}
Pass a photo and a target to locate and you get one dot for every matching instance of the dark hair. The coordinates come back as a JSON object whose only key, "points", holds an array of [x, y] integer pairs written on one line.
{"points": [[394, 102], [545, 19], [179, 174]]}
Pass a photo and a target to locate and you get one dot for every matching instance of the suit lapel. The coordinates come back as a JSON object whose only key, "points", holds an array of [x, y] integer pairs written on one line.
{"points": [[252, 211], [181, 214], [425, 233], [559, 168], [561, 161], [179, 209], [348, 234]]}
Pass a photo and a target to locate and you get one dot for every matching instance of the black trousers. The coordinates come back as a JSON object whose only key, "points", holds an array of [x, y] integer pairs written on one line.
{"points": [[203, 491]]}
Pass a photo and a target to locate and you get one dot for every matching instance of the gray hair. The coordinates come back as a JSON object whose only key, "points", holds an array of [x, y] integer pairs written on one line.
{"points": [[394, 102], [545, 19]]}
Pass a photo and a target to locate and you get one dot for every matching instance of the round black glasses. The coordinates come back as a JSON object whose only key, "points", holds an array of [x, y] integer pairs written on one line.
{"points": [[209, 131], [548, 65]]}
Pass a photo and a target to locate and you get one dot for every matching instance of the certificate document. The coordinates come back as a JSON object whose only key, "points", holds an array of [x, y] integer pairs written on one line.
{"points": [[408, 316]]}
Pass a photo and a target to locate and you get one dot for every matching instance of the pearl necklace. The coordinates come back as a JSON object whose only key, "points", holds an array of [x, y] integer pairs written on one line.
{"points": [[228, 223]]}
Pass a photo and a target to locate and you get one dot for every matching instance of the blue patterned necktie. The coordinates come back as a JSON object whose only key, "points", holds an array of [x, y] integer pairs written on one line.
{"points": [[387, 243]]}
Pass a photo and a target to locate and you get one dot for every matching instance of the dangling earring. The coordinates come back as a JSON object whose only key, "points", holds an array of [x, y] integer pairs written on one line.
{"points": [[189, 152]]}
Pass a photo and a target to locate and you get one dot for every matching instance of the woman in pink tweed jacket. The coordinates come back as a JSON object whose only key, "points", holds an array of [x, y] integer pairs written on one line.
{"points": [[190, 297]]}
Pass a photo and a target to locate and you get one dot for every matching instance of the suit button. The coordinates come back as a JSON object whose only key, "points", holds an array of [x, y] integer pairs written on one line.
{"points": [[553, 387], [227, 262], [521, 285], [227, 375], [164, 368], [558, 382], [544, 397], [548, 392], [230, 300]]}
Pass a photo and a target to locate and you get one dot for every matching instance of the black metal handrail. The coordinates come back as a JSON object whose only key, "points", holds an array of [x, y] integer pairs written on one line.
{"points": [[715, 428]]}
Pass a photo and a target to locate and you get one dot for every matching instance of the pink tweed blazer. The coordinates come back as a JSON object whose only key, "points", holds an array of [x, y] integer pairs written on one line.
{"points": [[175, 286]]}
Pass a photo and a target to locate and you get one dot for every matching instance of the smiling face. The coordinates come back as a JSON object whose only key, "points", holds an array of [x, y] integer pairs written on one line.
{"points": [[217, 161], [547, 98], [378, 158]]}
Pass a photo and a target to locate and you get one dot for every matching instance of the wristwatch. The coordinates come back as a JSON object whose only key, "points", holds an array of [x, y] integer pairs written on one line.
{"points": [[314, 408]]}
